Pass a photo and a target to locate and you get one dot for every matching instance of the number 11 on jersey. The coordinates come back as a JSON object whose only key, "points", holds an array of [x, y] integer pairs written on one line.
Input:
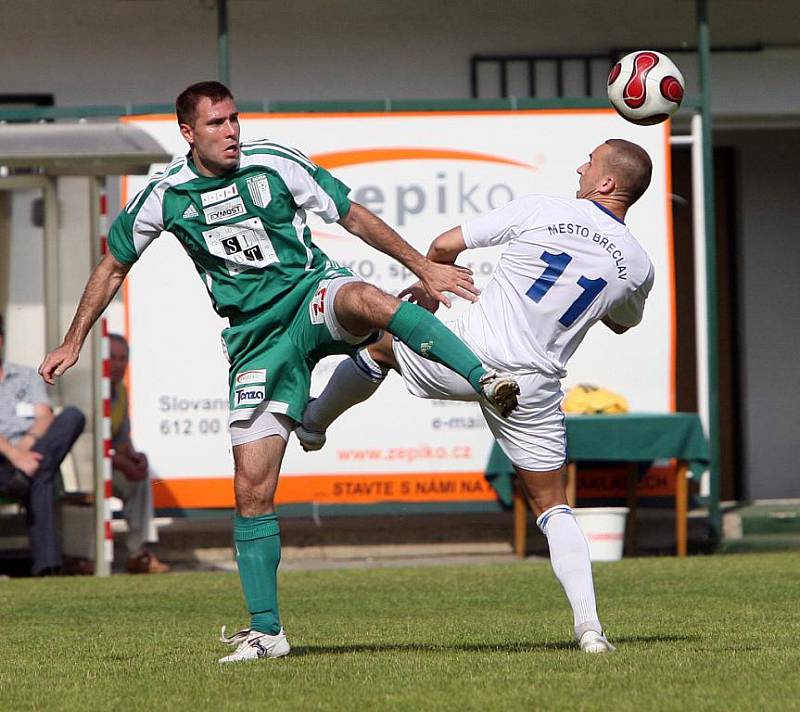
{"points": [[556, 264]]}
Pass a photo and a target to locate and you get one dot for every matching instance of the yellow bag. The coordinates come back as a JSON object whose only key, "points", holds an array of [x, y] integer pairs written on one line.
{"points": [[588, 399]]}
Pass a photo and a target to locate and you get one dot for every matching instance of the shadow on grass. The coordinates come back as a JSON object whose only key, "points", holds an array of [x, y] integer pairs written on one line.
{"points": [[513, 647]]}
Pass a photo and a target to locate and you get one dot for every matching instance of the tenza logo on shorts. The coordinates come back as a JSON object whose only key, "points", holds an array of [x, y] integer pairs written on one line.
{"points": [[258, 375], [250, 396]]}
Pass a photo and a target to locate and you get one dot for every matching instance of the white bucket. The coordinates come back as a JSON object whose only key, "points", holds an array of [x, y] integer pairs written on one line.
{"points": [[604, 529]]}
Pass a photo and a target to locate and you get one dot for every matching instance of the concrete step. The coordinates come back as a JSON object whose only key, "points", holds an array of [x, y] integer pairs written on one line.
{"points": [[780, 517], [398, 536], [367, 540]]}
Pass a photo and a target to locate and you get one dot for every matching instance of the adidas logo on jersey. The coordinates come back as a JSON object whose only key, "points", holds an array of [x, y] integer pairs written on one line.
{"points": [[190, 212]]}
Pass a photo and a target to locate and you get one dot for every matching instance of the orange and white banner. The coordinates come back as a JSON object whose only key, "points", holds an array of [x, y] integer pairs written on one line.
{"points": [[422, 173]]}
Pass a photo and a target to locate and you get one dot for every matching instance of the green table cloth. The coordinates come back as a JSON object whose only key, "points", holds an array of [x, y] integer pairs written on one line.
{"points": [[628, 437]]}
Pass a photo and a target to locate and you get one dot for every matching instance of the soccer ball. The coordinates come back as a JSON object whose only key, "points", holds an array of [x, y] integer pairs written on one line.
{"points": [[645, 87]]}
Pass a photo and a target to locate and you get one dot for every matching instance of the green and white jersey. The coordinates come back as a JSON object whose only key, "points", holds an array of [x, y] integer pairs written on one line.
{"points": [[246, 232]]}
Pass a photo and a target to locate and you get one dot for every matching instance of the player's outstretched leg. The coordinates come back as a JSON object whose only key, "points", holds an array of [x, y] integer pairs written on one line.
{"points": [[569, 554], [426, 335], [352, 381], [360, 306]]}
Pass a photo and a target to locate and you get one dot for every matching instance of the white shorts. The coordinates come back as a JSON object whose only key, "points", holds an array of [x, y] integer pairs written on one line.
{"points": [[261, 424], [534, 437]]}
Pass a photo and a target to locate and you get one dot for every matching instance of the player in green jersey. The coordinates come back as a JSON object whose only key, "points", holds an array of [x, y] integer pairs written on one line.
{"points": [[239, 211]]}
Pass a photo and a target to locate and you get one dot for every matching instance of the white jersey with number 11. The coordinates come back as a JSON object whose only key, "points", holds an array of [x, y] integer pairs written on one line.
{"points": [[568, 263]]}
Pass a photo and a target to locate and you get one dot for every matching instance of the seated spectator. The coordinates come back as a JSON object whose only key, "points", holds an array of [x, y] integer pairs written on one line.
{"points": [[131, 476], [33, 444]]}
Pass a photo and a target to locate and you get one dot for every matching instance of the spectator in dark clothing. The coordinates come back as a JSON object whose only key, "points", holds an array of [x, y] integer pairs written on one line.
{"points": [[33, 444]]}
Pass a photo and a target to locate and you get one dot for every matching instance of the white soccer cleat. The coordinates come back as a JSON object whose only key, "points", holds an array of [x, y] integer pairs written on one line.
{"points": [[501, 390], [310, 440], [253, 645], [594, 642]]}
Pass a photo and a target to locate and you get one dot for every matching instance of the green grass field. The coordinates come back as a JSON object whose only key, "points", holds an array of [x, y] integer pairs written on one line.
{"points": [[705, 633]]}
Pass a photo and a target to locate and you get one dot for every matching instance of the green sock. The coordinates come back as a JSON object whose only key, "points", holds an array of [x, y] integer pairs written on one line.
{"points": [[426, 335], [258, 553]]}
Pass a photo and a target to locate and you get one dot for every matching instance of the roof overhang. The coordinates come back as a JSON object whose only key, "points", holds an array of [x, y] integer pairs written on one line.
{"points": [[79, 149]]}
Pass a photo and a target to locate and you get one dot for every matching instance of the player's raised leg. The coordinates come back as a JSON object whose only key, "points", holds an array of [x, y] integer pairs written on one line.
{"points": [[569, 553], [257, 535], [361, 308], [353, 381]]}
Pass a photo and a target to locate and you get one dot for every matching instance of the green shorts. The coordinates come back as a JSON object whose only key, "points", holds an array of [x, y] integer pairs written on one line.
{"points": [[272, 354]]}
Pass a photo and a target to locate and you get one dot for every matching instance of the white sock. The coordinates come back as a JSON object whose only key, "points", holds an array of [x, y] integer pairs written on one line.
{"points": [[569, 556], [353, 381]]}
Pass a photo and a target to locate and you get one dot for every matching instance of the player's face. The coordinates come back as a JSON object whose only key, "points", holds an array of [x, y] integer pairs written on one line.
{"points": [[214, 137], [591, 173], [118, 360]]}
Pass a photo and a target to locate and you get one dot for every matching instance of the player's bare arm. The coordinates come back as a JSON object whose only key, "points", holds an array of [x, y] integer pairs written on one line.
{"points": [[616, 328], [435, 278], [103, 284], [445, 249]]}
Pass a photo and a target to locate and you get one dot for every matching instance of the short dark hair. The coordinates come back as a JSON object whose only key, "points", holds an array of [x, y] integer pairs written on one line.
{"points": [[630, 166], [189, 98], [120, 339]]}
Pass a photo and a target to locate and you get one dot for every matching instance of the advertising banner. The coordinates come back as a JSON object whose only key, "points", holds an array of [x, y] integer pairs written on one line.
{"points": [[422, 173]]}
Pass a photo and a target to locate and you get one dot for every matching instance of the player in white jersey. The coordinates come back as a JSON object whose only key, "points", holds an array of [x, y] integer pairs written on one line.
{"points": [[569, 263]]}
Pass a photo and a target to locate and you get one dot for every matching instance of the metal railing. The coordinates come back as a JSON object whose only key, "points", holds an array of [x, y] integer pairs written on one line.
{"points": [[553, 67]]}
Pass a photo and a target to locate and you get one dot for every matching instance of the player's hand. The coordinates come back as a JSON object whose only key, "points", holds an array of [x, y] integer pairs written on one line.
{"points": [[417, 295], [57, 362], [438, 278], [26, 460]]}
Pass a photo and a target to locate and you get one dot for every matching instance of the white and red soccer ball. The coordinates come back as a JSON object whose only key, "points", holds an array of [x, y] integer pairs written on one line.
{"points": [[645, 87]]}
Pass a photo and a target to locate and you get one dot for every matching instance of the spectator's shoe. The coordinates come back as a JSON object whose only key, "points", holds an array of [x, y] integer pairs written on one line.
{"points": [[310, 440], [253, 645], [594, 642], [14, 483], [49, 571], [74, 566], [501, 390], [146, 563]]}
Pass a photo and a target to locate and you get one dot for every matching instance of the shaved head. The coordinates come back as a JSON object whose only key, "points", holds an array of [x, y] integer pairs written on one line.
{"points": [[630, 166]]}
